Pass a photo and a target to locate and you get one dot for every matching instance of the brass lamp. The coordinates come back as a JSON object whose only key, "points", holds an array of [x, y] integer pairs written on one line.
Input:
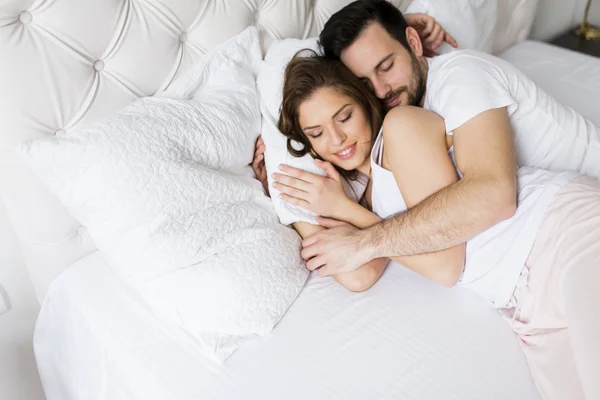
{"points": [[587, 31]]}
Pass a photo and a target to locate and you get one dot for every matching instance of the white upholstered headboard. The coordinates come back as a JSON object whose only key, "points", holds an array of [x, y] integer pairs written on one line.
{"points": [[64, 63]]}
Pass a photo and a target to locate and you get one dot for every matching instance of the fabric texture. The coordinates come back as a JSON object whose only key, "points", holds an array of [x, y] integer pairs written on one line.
{"points": [[166, 193], [556, 308]]}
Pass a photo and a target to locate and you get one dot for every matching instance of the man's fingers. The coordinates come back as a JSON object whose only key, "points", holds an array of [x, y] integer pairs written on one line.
{"points": [[315, 263], [429, 24], [450, 39], [435, 34], [256, 163], [310, 251], [326, 270], [329, 223], [310, 241], [429, 53]]}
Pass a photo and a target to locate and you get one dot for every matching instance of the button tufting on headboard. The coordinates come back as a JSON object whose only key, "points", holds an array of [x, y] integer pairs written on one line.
{"points": [[70, 62], [25, 17]]}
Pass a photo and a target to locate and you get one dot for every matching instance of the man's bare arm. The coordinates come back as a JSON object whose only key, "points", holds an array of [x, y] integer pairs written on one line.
{"points": [[485, 196]]}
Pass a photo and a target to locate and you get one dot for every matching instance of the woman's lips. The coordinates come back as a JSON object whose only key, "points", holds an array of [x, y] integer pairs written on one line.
{"points": [[346, 153]]}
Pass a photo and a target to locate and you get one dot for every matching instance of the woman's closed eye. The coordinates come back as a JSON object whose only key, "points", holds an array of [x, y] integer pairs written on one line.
{"points": [[317, 135], [346, 118]]}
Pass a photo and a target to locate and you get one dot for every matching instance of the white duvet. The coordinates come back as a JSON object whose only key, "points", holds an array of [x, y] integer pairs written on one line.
{"points": [[164, 191]]}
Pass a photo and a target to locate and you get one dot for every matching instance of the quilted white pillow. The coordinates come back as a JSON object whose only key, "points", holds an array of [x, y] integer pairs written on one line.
{"points": [[165, 190], [270, 85]]}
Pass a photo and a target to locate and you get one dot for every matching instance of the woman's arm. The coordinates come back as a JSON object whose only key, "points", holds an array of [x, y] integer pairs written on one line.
{"points": [[356, 281], [416, 152]]}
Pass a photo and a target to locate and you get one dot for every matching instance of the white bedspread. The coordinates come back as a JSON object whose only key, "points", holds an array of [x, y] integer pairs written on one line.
{"points": [[406, 338]]}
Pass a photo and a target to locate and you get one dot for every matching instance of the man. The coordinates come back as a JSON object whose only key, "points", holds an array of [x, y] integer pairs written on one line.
{"points": [[487, 105], [498, 118]]}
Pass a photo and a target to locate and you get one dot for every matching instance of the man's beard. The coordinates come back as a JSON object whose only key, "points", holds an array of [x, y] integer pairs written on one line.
{"points": [[416, 91]]}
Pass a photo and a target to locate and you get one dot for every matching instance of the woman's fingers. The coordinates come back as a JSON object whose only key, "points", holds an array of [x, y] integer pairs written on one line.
{"points": [[293, 182], [295, 201], [300, 173], [329, 169], [291, 192]]}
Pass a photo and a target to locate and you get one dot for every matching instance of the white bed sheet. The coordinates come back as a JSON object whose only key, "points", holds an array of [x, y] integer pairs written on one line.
{"points": [[569, 76], [406, 338]]}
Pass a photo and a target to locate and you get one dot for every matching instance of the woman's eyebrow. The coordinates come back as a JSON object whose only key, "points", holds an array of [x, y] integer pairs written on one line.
{"points": [[334, 115]]}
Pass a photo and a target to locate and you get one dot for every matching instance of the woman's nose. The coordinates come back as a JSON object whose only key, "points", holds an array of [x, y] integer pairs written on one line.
{"points": [[338, 136]]}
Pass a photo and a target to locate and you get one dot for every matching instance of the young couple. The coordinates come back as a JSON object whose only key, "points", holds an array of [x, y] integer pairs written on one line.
{"points": [[437, 142]]}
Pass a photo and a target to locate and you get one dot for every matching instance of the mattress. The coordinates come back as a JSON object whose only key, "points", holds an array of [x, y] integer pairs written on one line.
{"points": [[405, 338]]}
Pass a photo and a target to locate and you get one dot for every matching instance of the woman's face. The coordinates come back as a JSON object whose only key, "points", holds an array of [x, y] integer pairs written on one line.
{"points": [[338, 129]]}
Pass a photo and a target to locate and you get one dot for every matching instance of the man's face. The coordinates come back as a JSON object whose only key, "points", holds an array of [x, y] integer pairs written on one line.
{"points": [[391, 71]]}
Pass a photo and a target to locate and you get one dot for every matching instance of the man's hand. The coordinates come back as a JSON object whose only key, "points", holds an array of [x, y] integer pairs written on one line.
{"points": [[430, 31], [258, 164], [336, 249]]}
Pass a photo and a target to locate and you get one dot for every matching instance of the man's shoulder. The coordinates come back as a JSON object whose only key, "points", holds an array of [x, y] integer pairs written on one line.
{"points": [[462, 61]]}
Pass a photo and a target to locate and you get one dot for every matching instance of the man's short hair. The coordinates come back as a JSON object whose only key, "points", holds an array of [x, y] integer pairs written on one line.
{"points": [[344, 26]]}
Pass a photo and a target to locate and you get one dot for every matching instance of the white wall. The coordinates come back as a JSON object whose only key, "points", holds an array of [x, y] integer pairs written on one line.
{"points": [[557, 16], [19, 379]]}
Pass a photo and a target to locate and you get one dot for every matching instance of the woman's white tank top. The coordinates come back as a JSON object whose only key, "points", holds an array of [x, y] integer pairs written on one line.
{"points": [[495, 258]]}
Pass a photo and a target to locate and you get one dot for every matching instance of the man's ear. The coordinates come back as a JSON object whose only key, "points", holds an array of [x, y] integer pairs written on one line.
{"points": [[414, 41]]}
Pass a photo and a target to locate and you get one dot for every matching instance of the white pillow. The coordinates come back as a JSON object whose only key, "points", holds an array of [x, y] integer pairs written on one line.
{"points": [[471, 22], [165, 190], [270, 86], [514, 22]]}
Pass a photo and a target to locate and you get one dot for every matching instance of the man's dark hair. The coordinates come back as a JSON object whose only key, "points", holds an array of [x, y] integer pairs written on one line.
{"points": [[344, 26]]}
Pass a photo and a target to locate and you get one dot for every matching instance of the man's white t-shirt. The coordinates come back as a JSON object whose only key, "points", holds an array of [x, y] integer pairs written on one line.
{"points": [[548, 136]]}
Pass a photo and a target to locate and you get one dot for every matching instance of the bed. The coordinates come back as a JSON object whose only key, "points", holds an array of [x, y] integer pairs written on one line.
{"points": [[96, 338]]}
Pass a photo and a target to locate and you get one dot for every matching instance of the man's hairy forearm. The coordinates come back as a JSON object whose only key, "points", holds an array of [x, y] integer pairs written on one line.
{"points": [[445, 219]]}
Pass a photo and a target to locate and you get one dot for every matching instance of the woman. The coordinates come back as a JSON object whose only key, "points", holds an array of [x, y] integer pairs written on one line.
{"points": [[336, 119]]}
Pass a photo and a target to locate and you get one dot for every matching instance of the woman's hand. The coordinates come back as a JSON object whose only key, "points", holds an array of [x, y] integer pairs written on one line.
{"points": [[323, 195], [430, 31]]}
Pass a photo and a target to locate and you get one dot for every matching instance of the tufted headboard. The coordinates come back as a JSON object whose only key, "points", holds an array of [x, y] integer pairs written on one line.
{"points": [[64, 63]]}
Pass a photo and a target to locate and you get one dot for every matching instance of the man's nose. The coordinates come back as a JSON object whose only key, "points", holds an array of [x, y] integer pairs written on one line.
{"points": [[380, 88]]}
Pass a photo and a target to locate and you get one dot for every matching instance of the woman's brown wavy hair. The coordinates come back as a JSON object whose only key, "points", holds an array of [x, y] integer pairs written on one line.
{"points": [[304, 75]]}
